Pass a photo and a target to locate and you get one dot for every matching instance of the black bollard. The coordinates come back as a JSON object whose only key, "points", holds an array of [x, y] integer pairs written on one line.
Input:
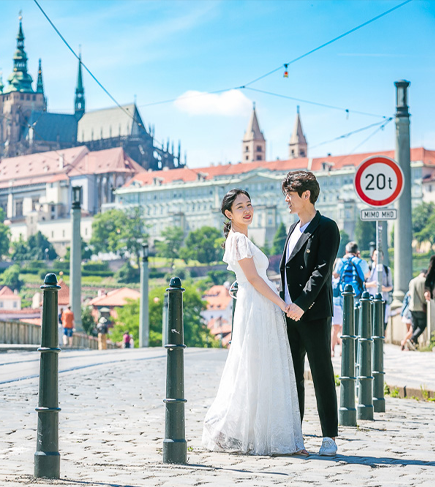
{"points": [[47, 456], [365, 378], [174, 444], [357, 334], [347, 411], [378, 354]]}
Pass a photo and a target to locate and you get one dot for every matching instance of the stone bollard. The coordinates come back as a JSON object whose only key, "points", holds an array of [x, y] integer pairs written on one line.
{"points": [[365, 378], [378, 354], [47, 457], [347, 411], [233, 293], [174, 444]]}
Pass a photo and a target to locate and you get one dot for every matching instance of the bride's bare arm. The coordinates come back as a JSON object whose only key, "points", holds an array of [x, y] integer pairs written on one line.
{"points": [[259, 284]]}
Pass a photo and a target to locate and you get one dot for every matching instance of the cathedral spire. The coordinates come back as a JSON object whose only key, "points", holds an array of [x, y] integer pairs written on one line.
{"points": [[254, 143], [79, 102], [298, 146], [40, 84], [20, 79]]}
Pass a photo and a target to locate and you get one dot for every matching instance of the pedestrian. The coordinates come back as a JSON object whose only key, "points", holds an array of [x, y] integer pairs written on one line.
{"points": [[131, 341], [68, 327], [387, 284], [256, 408], [353, 270], [60, 327], [405, 313], [337, 318], [102, 333], [126, 339], [418, 308]]}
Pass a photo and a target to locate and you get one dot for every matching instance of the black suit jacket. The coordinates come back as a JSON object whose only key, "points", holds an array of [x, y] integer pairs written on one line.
{"points": [[309, 268]]}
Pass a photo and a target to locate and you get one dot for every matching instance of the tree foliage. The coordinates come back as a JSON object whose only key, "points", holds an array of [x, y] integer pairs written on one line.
{"points": [[171, 244], [5, 242], [37, 247], [119, 231], [88, 322], [11, 277], [423, 222], [344, 240], [203, 245], [127, 273], [365, 232], [279, 240], [196, 333]]}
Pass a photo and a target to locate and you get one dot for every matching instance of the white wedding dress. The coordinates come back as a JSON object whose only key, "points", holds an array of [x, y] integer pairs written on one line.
{"points": [[256, 410]]}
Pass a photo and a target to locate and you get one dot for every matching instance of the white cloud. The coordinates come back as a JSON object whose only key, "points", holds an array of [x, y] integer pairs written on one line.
{"points": [[231, 103]]}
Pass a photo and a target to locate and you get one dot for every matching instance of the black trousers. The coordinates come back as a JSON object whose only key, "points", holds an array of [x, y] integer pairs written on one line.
{"points": [[313, 338], [419, 323]]}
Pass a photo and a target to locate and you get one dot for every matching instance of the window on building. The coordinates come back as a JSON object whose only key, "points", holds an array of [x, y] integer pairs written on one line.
{"points": [[1, 304], [52, 234], [63, 233], [247, 158], [258, 148], [430, 188], [258, 158], [15, 304], [246, 148], [302, 153], [86, 231], [19, 208]]}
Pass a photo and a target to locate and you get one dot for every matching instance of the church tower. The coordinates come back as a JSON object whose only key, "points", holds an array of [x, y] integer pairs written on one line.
{"points": [[254, 143], [39, 83], [18, 100], [79, 101], [298, 146]]}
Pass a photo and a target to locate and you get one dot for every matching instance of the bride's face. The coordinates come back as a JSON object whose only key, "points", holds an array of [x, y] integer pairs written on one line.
{"points": [[241, 212]]}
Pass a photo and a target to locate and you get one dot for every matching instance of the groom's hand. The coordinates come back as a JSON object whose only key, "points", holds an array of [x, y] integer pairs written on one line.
{"points": [[294, 312]]}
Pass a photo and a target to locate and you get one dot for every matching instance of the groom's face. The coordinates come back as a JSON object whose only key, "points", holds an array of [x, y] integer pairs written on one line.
{"points": [[295, 202]]}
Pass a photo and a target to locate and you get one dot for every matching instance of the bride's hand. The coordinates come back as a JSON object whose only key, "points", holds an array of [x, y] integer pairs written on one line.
{"points": [[284, 307]]}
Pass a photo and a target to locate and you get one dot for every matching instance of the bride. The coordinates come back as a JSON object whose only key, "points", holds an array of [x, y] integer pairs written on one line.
{"points": [[256, 410]]}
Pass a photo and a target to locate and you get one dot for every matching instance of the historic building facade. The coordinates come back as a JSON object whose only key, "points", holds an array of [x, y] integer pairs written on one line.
{"points": [[27, 127], [190, 198]]}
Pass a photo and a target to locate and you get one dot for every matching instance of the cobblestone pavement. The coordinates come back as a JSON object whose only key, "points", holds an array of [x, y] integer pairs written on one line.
{"points": [[112, 427]]}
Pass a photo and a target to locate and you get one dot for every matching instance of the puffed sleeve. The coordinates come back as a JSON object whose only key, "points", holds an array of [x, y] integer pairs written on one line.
{"points": [[237, 247]]}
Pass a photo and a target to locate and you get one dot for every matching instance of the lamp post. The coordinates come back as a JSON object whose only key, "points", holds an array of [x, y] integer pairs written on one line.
{"points": [[144, 326], [76, 259], [402, 226]]}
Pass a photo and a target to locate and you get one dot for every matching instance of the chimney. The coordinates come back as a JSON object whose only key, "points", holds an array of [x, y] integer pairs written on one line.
{"points": [[61, 161]]}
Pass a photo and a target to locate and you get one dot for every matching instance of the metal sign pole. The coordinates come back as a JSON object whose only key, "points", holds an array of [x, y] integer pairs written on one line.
{"points": [[379, 266]]}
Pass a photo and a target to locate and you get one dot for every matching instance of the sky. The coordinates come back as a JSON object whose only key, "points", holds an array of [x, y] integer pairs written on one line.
{"points": [[152, 51]]}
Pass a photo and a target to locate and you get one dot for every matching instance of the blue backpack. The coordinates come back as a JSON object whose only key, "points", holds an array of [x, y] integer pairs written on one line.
{"points": [[351, 274]]}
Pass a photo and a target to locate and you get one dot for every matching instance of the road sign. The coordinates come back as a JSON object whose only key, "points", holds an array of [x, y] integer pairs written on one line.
{"points": [[381, 215], [379, 181]]}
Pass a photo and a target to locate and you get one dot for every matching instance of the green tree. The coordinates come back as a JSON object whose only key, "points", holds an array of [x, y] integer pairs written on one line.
{"points": [[365, 232], [5, 242], [119, 231], [88, 322], [279, 240], [266, 248], [203, 245], [127, 273], [196, 333], [87, 250], [344, 240], [11, 277], [171, 244], [423, 222], [37, 247]]}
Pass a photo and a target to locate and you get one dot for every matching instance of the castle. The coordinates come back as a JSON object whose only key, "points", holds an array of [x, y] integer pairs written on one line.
{"points": [[27, 127]]}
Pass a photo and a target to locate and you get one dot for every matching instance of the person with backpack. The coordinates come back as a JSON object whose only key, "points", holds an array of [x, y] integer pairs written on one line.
{"points": [[387, 284], [353, 270]]}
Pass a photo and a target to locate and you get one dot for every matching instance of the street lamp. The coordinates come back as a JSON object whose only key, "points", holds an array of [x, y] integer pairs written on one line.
{"points": [[144, 327], [77, 196]]}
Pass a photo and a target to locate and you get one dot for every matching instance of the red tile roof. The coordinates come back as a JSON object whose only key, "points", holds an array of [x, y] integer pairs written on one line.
{"points": [[210, 172], [217, 297], [114, 298], [7, 293], [63, 294], [47, 167]]}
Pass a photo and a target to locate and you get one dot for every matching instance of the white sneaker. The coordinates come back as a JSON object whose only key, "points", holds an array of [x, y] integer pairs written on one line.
{"points": [[328, 448]]}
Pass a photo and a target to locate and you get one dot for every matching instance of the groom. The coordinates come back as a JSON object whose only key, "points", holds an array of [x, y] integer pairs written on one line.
{"points": [[306, 276]]}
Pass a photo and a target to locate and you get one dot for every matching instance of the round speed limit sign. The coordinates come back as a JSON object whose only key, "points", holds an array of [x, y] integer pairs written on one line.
{"points": [[379, 181]]}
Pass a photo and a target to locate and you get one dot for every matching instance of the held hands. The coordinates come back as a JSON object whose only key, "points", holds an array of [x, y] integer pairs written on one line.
{"points": [[294, 312], [427, 295]]}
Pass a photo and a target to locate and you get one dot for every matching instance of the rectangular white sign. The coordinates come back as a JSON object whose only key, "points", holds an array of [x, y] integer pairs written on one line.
{"points": [[381, 214]]}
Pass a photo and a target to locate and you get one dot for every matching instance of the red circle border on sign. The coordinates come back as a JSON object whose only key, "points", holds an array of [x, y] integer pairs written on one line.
{"points": [[375, 160]]}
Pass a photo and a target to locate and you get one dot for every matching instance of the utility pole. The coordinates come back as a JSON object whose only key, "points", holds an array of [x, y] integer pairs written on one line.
{"points": [[403, 224], [76, 259]]}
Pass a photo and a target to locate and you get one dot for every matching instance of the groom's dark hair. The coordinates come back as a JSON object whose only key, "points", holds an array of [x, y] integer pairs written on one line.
{"points": [[301, 181]]}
